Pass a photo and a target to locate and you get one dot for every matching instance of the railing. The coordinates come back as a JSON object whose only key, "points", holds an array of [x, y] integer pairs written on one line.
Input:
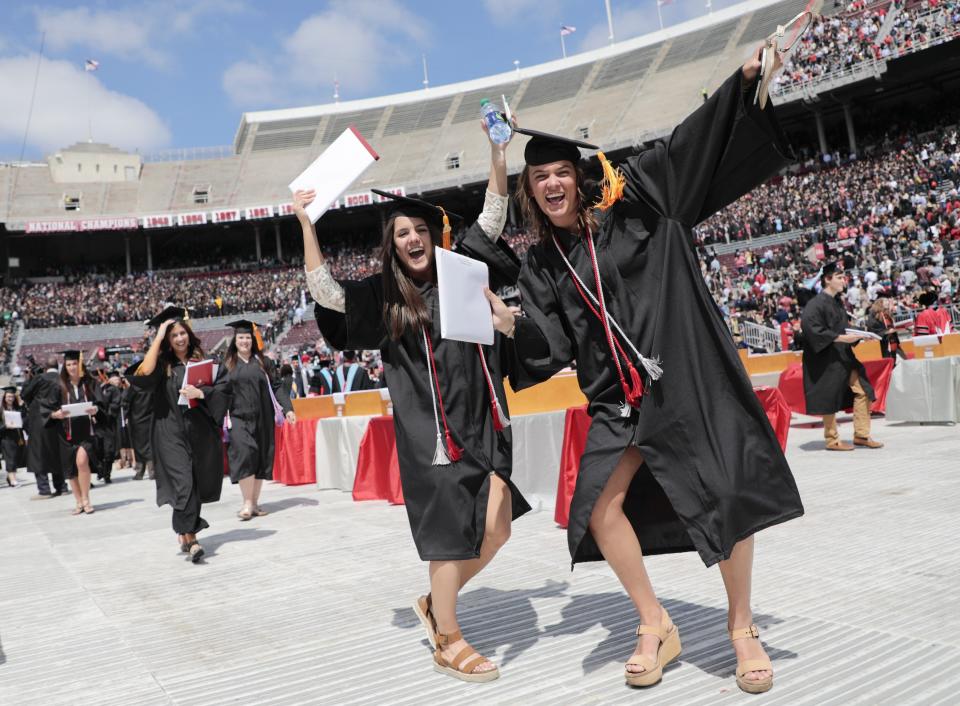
{"points": [[761, 337], [186, 154], [772, 240]]}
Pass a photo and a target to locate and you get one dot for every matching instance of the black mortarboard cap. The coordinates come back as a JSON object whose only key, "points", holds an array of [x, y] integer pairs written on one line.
{"points": [[543, 148], [132, 370], [71, 354], [242, 326], [406, 206], [10, 388], [171, 312]]}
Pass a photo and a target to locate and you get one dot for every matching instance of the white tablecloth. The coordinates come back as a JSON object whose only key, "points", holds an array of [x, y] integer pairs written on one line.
{"points": [[925, 390], [338, 446], [537, 441]]}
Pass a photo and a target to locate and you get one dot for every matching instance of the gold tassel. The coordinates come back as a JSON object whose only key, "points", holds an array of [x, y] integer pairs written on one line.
{"points": [[80, 366], [613, 183], [447, 238], [257, 337]]}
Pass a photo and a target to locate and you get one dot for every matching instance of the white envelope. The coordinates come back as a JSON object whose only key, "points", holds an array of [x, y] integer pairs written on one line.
{"points": [[12, 419], [464, 310], [77, 409], [335, 170]]}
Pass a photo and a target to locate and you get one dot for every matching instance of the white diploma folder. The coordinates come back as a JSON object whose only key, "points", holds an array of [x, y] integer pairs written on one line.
{"points": [[78, 409], [12, 420], [464, 310], [335, 170], [865, 334]]}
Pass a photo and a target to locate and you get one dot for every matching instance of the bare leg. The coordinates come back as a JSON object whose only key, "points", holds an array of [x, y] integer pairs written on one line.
{"points": [[83, 476], [255, 498], [246, 488], [618, 542], [737, 572], [448, 577]]}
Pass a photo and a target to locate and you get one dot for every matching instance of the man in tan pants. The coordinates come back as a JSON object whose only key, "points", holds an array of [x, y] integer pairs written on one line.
{"points": [[833, 378]]}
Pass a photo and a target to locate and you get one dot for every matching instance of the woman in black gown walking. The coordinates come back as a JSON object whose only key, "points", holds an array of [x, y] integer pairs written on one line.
{"points": [[12, 443]]}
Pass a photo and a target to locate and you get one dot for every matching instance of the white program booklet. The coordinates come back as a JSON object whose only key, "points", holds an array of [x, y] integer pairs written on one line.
{"points": [[464, 310], [77, 409], [12, 420], [335, 170], [865, 334]]}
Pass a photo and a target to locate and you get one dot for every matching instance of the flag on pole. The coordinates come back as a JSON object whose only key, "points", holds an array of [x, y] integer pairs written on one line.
{"points": [[566, 29], [91, 65]]}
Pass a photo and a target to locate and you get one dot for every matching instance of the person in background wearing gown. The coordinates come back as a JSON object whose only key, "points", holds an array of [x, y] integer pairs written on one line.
{"points": [[11, 439], [680, 455], [833, 378], [77, 434], [452, 434], [351, 375], [185, 441], [124, 440], [42, 396], [880, 323], [257, 405], [109, 395], [139, 414]]}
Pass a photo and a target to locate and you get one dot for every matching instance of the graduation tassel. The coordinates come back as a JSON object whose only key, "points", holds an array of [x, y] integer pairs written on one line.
{"points": [[612, 185], [447, 230], [257, 337], [500, 420], [453, 451], [440, 457], [225, 429], [447, 450]]}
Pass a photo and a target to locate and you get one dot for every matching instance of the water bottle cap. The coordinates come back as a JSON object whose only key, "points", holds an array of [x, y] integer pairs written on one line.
{"points": [[485, 101]]}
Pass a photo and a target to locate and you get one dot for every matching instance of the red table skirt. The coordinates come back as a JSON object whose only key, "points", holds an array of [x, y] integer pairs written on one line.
{"points": [[378, 470], [879, 373], [577, 423], [295, 453]]}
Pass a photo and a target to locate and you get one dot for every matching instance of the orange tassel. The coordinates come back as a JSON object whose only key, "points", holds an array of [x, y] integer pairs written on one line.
{"points": [[447, 238], [257, 337], [613, 183]]}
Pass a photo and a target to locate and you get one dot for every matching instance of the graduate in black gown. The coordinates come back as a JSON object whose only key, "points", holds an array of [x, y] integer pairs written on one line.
{"points": [[833, 378], [186, 441], [124, 442], [12, 443], [351, 375], [109, 396], [680, 455], [77, 435], [453, 442], [258, 405], [42, 397], [139, 415]]}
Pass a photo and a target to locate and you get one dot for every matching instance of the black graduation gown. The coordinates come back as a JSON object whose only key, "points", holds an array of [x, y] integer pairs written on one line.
{"points": [[186, 443], [252, 436], [79, 432], [139, 414], [361, 381], [12, 444], [109, 396], [42, 397], [446, 505], [319, 384], [827, 365], [714, 472]]}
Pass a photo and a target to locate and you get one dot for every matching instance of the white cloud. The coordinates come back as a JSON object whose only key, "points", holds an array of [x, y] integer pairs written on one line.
{"points": [[132, 33], [70, 104], [626, 24], [355, 41]]}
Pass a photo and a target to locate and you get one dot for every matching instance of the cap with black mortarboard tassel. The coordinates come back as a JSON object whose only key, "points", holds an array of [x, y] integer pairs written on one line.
{"points": [[177, 313], [544, 148], [416, 208], [246, 326], [10, 388]]}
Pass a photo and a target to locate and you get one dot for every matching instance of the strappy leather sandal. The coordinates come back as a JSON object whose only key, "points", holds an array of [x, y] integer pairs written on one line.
{"points": [[78, 510], [88, 509], [423, 607], [195, 550], [258, 512], [245, 514], [668, 651], [462, 666], [184, 547], [752, 686]]}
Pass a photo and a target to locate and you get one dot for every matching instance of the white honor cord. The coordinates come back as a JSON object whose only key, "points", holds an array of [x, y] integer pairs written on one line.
{"points": [[651, 365], [439, 458]]}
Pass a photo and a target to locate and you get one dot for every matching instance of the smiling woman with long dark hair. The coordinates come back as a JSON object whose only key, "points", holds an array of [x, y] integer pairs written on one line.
{"points": [[453, 442], [185, 441], [12, 442]]}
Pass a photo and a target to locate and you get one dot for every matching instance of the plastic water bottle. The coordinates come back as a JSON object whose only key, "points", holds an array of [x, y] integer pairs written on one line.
{"points": [[497, 127]]}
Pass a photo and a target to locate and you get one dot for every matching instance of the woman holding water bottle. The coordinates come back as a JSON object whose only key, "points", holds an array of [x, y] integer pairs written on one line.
{"points": [[450, 418]]}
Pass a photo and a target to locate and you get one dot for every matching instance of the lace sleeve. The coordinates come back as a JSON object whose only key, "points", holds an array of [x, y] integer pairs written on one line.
{"points": [[494, 215], [325, 290]]}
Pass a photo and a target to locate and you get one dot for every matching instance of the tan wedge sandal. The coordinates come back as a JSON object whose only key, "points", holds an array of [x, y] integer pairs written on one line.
{"points": [[423, 607], [752, 686], [462, 666], [668, 651]]}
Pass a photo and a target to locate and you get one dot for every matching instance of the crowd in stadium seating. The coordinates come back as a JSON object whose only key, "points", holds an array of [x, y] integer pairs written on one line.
{"points": [[840, 41]]}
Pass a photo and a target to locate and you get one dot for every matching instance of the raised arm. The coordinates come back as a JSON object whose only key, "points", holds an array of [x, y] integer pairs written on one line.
{"points": [[150, 360]]}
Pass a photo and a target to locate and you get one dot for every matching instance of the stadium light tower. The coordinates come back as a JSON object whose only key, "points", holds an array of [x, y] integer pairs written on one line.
{"points": [[610, 18]]}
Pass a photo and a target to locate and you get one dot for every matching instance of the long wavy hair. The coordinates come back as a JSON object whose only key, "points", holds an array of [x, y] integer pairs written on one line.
{"points": [[168, 358], [86, 383], [537, 221], [230, 357], [15, 404], [403, 307]]}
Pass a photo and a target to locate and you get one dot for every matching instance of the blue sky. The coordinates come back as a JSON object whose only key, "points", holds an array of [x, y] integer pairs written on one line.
{"points": [[179, 73]]}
